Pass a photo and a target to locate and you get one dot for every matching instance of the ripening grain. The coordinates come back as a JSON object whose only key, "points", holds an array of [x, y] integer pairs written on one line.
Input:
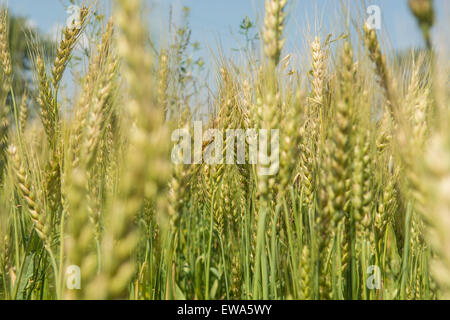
{"points": [[358, 207]]}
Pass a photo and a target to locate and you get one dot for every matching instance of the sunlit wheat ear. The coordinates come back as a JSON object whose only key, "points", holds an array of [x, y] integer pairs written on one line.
{"points": [[334, 176], [269, 101], [90, 110], [52, 176], [335, 172], [384, 134], [319, 73], [307, 171], [23, 185], [112, 146], [316, 103], [273, 29], [99, 110], [230, 116], [339, 160], [212, 179], [70, 35], [45, 99], [290, 141], [362, 188], [5, 77], [387, 203], [5, 57], [104, 48], [81, 117], [23, 112], [381, 69]]}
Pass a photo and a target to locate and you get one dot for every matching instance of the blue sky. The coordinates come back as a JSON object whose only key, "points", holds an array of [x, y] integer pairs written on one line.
{"points": [[216, 22], [212, 20]]}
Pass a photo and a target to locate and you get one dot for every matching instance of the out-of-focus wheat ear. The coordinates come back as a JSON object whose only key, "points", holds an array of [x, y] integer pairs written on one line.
{"points": [[414, 85], [70, 35], [273, 30], [437, 213], [143, 109], [79, 246], [421, 107], [415, 131], [163, 79], [348, 75], [424, 13], [147, 168], [417, 102]]}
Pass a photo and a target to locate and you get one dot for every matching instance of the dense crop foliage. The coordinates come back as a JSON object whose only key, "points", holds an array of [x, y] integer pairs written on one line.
{"points": [[359, 208]]}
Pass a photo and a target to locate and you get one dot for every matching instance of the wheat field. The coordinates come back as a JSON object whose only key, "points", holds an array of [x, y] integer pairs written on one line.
{"points": [[359, 206]]}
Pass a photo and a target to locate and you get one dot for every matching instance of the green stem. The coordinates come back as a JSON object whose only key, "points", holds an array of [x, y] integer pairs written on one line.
{"points": [[406, 244], [208, 257], [224, 268]]}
